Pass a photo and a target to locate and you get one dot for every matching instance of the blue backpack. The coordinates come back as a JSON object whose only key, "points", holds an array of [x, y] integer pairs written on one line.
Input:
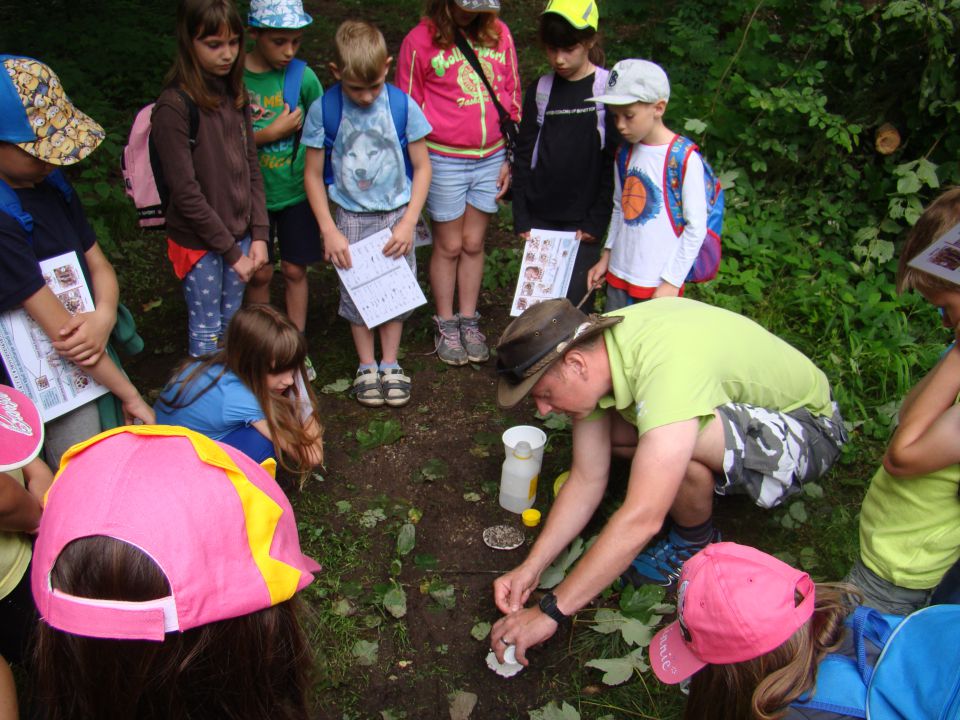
{"points": [[916, 676], [332, 104], [10, 202], [707, 263]]}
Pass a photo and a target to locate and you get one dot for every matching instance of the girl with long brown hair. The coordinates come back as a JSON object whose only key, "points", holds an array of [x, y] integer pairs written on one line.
{"points": [[253, 394], [202, 138]]}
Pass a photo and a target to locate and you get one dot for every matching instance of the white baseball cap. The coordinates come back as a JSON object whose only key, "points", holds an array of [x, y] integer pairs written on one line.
{"points": [[633, 81]]}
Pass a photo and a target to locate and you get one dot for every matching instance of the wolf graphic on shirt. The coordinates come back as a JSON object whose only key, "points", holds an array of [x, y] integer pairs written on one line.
{"points": [[371, 162]]}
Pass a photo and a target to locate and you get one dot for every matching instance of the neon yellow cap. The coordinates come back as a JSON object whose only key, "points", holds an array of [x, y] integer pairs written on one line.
{"points": [[579, 13], [530, 517]]}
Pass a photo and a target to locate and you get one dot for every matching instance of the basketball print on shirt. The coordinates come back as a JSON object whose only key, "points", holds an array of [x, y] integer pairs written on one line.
{"points": [[640, 199]]}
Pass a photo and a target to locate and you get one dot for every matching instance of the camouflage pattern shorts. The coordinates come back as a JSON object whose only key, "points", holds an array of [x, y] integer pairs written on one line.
{"points": [[769, 454]]}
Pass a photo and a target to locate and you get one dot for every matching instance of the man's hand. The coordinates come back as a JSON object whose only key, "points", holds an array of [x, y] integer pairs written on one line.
{"points": [[83, 338], [523, 629], [336, 249], [511, 591]]}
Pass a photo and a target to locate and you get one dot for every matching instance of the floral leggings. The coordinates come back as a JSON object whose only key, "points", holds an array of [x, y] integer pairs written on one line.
{"points": [[214, 292]]}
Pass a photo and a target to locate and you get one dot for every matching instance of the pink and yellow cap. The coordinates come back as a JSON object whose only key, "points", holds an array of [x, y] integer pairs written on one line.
{"points": [[216, 523]]}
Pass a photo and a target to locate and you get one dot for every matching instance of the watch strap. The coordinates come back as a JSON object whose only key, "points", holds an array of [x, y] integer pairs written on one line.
{"points": [[548, 605]]}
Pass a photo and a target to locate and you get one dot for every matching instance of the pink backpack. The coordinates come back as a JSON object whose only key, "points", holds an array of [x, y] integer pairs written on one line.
{"points": [[142, 172]]}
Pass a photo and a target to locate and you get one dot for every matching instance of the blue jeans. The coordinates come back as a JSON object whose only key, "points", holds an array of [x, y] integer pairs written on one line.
{"points": [[214, 292]]}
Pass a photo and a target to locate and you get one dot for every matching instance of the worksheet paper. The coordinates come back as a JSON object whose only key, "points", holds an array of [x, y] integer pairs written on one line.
{"points": [[942, 258], [545, 268], [54, 384], [381, 287]]}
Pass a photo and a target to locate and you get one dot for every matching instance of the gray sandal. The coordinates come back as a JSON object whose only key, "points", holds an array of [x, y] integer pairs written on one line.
{"points": [[366, 388], [395, 387]]}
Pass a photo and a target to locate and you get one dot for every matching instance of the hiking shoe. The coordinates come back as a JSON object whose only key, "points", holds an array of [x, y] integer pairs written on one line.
{"points": [[366, 388], [660, 563], [447, 341], [474, 341], [395, 387], [311, 373]]}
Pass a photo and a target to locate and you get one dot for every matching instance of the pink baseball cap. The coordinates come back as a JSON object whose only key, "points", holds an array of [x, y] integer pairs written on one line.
{"points": [[215, 522], [734, 603], [21, 429]]}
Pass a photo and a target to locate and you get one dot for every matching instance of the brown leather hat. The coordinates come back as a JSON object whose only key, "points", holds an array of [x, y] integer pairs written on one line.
{"points": [[536, 340]]}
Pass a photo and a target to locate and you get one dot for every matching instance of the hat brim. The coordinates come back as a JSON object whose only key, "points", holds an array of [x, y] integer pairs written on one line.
{"points": [[577, 22], [509, 394], [297, 24], [489, 6], [63, 146], [611, 99], [671, 658]]}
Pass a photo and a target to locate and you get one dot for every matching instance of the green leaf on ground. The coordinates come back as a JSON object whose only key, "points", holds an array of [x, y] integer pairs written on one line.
{"points": [[395, 601], [406, 539], [371, 518], [555, 573], [442, 594], [425, 561], [337, 386], [462, 704], [379, 432], [343, 506], [618, 670], [480, 630], [634, 632], [365, 652], [552, 711], [435, 469], [471, 497]]}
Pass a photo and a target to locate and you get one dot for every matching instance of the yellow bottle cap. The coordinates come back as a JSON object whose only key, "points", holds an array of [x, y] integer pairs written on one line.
{"points": [[531, 517]]}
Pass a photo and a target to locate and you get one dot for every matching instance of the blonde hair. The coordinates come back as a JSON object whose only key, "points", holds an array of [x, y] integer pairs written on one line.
{"points": [[261, 340], [942, 214], [360, 51], [763, 688], [483, 29]]}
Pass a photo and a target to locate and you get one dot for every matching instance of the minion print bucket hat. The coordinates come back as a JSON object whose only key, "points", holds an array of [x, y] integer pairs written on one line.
{"points": [[37, 116]]}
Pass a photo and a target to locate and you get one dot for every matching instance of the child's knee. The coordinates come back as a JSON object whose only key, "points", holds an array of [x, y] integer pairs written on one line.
{"points": [[293, 273]]}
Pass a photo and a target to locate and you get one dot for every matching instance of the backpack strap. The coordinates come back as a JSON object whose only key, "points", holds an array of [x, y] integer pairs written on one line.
{"points": [[398, 100], [10, 205], [674, 170], [292, 82], [194, 117], [600, 76], [541, 98], [332, 105], [10, 201]]}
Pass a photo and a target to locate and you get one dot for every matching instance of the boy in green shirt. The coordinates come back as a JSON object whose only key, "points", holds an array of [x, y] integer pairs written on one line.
{"points": [[277, 30]]}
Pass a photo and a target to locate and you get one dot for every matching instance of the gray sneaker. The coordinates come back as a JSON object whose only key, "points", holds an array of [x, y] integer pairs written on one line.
{"points": [[474, 341], [447, 341]]}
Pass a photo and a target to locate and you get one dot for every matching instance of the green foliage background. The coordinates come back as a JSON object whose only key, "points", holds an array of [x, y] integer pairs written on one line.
{"points": [[784, 98]]}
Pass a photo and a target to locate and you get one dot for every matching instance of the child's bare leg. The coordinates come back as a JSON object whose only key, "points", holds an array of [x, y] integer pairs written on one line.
{"points": [[447, 255], [258, 289], [295, 292], [390, 333], [363, 341], [470, 267]]}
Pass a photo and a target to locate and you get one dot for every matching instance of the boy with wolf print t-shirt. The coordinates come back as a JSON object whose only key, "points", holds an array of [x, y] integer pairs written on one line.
{"points": [[370, 185]]}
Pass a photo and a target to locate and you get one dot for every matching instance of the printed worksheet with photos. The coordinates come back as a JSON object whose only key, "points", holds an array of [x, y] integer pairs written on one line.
{"points": [[381, 287], [545, 268], [54, 384], [942, 258]]}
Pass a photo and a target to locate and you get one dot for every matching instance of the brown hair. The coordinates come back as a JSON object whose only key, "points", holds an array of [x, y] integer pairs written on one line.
{"points": [[762, 688], [360, 52], [197, 19], [941, 215], [556, 32], [255, 667], [482, 30], [260, 340]]}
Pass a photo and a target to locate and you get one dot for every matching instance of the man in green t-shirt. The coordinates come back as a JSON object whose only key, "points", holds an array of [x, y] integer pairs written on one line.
{"points": [[703, 400]]}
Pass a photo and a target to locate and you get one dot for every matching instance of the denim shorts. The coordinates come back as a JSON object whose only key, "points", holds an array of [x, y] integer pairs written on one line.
{"points": [[458, 182]]}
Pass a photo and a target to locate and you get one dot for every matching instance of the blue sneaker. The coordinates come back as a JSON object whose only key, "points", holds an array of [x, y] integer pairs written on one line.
{"points": [[660, 563]]}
